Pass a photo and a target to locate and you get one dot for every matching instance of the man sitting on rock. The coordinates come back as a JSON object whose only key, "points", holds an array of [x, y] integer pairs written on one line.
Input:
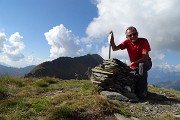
{"points": [[138, 50]]}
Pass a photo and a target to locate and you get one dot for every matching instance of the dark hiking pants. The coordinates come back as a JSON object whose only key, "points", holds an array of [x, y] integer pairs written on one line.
{"points": [[141, 83]]}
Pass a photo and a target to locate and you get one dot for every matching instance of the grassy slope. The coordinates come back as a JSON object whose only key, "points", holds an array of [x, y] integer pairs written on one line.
{"points": [[52, 99]]}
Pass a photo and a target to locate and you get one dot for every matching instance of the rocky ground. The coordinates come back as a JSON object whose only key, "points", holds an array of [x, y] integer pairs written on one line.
{"points": [[158, 105]]}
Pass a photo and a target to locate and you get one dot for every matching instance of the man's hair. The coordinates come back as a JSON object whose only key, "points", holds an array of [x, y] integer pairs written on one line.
{"points": [[130, 28]]}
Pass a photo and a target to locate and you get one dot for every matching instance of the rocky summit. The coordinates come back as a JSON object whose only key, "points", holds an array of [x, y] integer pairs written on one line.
{"points": [[115, 76]]}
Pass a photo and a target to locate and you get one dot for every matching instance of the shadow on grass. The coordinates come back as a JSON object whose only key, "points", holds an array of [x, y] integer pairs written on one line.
{"points": [[155, 98]]}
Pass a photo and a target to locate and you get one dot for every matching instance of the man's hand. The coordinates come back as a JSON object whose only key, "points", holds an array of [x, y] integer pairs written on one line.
{"points": [[110, 37], [111, 32], [131, 64], [114, 47]]}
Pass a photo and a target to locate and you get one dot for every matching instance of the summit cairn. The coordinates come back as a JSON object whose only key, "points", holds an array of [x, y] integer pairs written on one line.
{"points": [[115, 77]]}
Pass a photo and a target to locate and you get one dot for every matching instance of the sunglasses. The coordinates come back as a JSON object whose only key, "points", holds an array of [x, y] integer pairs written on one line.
{"points": [[133, 34]]}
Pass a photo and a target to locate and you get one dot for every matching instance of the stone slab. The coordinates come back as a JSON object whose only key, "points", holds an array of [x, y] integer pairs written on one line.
{"points": [[114, 95]]}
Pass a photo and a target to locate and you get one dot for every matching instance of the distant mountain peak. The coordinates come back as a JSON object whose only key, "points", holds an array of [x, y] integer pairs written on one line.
{"points": [[67, 67], [12, 71]]}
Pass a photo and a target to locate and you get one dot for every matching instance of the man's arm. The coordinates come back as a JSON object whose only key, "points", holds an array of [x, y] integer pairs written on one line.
{"points": [[114, 47], [145, 56]]}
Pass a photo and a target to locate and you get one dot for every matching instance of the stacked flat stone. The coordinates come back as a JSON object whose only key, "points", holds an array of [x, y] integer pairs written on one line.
{"points": [[114, 75]]}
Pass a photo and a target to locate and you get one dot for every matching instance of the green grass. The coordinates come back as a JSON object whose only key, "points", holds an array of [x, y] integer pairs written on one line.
{"points": [[51, 99], [63, 112], [25, 98]]}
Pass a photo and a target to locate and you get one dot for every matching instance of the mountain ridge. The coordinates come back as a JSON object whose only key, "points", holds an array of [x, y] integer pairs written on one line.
{"points": [[170, 84], [157, 75], [67, 67], [12, 71]]}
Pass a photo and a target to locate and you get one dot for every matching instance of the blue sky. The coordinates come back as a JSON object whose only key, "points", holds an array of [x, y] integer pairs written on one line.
{"points": [[34, 31]]}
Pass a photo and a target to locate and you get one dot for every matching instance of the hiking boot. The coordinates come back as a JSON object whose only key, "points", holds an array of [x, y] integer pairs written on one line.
{"points": [[143, 95]]}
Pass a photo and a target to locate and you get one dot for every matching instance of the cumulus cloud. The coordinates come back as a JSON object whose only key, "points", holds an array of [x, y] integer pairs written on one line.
{"points": [[63, 42], [11, 52], [11, 47], [157, 20]]}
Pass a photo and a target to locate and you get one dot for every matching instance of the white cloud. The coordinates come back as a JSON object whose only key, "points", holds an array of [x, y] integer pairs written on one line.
{"points": [[169, 67], [177, 68], [63, 42], [157, 20], [32, 60], [11, 52], [26, 61], [12, 47], [157, 56], [2, 39], [89, 46]]}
